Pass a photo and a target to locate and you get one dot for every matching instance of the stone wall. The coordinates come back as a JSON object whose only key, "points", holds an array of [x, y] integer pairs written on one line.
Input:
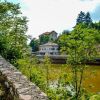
{"points": [[17, 86]]}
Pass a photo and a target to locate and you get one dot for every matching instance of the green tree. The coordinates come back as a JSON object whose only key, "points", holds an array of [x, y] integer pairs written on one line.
{"points": [[34, 44], [62, 42], [80, 18], [47, 64], [66, 32], [13, 26], [44, 39], [88, 19], [80, 47], [97, 25], [84, 18]]}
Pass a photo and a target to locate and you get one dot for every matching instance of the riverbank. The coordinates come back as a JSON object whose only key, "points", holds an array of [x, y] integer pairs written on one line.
{"points": [[39, 71]]}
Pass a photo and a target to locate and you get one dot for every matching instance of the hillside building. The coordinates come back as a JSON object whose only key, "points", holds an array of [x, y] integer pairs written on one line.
{"points": [[48, 48], [52, 35]]}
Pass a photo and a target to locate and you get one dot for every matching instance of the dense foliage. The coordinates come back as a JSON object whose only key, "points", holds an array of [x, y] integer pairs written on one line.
{"points": [[52, 79], [34, 43], [13, 26], [80, 45], [44, 39], [84, 18]]}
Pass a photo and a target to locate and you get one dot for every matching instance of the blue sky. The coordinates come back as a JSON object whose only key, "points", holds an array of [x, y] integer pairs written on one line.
{"points": [[96, 13], [58, 15]]}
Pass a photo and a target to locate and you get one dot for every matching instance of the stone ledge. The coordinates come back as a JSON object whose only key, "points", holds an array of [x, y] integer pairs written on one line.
{"points": [[18, 85]]}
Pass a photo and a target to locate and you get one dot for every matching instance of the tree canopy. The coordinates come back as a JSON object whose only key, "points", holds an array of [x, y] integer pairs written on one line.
{"points": [[44, 39], [13, 26], [34, 43], [84, 18]]}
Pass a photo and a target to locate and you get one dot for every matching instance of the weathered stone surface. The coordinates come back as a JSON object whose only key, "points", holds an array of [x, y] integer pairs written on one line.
{"points": [[18, 86]]}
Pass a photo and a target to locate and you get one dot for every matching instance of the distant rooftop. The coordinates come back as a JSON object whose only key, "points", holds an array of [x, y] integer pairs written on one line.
{"points": [[48, 33]]}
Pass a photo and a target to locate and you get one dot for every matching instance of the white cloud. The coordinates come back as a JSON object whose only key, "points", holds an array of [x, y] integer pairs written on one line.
{"points": [[48, 15]]}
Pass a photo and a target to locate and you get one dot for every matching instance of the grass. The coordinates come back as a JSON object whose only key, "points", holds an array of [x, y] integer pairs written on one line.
{"points": [[55, 71], [91, 75]]}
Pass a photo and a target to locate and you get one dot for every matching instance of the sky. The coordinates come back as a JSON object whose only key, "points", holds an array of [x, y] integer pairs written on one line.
{"points": [[58, 15]]}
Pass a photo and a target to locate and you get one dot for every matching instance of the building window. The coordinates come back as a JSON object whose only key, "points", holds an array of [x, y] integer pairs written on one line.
{"points": [[42, 53], [52, 48], [51, 53]]}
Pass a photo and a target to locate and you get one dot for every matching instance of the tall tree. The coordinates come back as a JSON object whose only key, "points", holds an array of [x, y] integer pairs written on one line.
{"points": [[88, 19], [34, 44], [84, 18], [13, 26], [80, 18], [80, 47]]}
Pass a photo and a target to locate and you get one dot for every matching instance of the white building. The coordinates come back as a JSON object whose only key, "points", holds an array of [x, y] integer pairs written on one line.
{"points": [[48, 48]]}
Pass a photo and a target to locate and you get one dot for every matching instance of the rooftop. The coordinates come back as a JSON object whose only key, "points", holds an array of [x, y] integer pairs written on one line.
{"points": [[48, 33]]}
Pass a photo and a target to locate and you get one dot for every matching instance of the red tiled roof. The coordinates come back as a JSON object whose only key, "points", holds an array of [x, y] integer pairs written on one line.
{"points": [[47, 33]]}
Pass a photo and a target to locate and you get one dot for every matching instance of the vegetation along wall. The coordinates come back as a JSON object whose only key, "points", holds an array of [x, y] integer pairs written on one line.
{"points": [[17, 86]]}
